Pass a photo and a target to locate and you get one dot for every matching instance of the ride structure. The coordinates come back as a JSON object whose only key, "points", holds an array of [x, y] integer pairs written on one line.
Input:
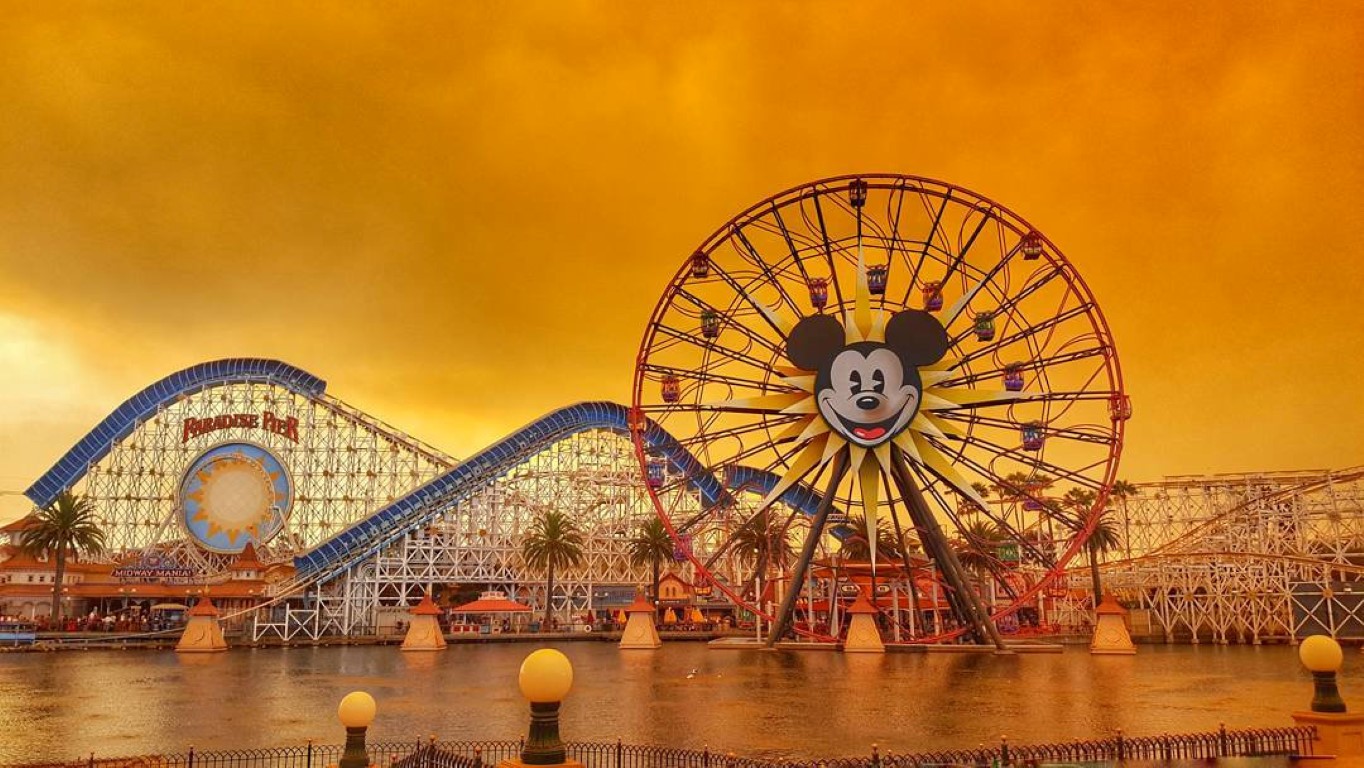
{"points": [[249, 458], [1246, 558], [882, 343]]}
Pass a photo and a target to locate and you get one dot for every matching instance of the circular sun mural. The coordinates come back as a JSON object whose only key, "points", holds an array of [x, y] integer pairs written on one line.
{"points": [[235, 493]]}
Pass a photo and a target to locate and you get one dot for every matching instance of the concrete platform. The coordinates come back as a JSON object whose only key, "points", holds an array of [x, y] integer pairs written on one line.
{"points": [[754, 644], [736, 644], [989, 649]]}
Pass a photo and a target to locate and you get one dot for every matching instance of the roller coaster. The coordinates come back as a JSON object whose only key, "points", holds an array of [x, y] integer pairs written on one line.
{"points": [[1243, 558]]}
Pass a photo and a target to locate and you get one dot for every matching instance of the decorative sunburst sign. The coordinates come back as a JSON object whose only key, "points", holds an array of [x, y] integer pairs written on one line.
{"points": [[232, 494]]}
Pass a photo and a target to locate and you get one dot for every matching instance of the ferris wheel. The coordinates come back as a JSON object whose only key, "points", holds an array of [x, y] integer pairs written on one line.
{"points": [[889, 348]]}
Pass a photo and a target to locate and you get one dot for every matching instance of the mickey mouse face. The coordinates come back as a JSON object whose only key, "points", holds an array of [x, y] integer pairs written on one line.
{"points": [[868, 391]]}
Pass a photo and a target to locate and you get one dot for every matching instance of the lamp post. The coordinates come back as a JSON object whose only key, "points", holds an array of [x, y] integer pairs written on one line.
{"points": [[356, 713], [546, 675], [1322, 657]]}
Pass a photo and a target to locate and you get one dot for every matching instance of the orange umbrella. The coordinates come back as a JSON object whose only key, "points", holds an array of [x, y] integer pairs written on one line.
{"points": [[696, 616], [669, 617], [620, 617]]}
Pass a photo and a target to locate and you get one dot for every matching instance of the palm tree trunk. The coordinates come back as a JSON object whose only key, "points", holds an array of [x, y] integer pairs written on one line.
{"points": [[1094, 575], [57, 582], [549, 596], [655, 594], [1126, 527]]}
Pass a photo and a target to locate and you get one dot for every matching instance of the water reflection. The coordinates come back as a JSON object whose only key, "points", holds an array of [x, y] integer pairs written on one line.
{"points": [[65, 705]]}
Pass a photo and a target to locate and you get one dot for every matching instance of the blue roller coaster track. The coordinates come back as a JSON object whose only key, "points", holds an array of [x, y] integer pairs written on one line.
{"points": [[419, 508]]}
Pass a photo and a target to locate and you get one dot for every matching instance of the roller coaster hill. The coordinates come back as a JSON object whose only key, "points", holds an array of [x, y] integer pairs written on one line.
{"points": [[302, 516]]}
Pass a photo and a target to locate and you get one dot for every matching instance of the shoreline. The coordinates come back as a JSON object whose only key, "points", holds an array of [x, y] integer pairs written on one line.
{"points": [[59, 642]]}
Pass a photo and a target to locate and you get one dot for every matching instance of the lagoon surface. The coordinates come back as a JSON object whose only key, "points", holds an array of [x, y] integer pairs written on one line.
{"points": [[809, 704]]}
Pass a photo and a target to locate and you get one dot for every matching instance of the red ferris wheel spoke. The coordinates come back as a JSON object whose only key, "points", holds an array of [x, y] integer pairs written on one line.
{"points": [[933, 233], [766, 269], [718, 378], [1066, 433], [709, 347], [1023, 366], [1034, 462], [773, 422], [1024, 335]]}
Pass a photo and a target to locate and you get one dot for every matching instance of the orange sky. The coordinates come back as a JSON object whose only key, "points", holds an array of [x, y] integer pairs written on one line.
{"points": [[461, 215]]}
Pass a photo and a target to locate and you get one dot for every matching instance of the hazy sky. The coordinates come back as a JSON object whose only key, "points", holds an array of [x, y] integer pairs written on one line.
{"points": [[461, 214]]}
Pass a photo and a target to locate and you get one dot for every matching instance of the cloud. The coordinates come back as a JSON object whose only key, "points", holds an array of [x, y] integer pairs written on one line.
{"points": [[462, 216]]}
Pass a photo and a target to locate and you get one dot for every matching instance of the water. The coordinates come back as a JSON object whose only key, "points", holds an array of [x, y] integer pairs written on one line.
{"points": [[809, 704]]}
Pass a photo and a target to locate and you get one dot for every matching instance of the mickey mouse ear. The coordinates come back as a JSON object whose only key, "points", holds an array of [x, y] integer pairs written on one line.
{"points": [[917, 337], [814, 341]]}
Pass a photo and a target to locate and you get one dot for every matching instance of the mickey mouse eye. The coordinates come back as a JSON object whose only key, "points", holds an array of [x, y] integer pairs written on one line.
{"points": [[855, 379], [878, 382]]}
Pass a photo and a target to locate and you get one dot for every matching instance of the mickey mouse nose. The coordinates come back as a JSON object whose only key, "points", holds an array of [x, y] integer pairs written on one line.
{"points": [[867, 402]]}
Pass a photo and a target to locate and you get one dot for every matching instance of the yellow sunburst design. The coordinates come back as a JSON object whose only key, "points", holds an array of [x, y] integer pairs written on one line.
{"points": [[816, 443], [235, 496]]}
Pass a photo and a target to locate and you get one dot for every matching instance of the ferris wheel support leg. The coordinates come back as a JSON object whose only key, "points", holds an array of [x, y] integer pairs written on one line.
{"points": [[968, 606], [909, 576], [807, 553]]}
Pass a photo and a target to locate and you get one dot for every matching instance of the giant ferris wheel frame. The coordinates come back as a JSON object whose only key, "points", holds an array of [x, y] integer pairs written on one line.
{"points": [[1030, 355]]}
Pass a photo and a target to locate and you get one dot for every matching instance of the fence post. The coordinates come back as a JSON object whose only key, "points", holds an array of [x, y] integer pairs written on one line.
{"points": [[1003, 750], [92, 760], [1221, 739], [705, 756], [1121, 747], [620, 753], [310, 754], [191, 756]]}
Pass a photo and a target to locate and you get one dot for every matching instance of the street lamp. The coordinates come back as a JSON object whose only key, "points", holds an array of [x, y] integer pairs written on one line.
{"points": [[1322, 657], [546, 675], [356, 713]]}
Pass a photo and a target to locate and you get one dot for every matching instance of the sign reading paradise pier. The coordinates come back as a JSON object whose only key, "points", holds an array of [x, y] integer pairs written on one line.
{"points": [[284, 426]]}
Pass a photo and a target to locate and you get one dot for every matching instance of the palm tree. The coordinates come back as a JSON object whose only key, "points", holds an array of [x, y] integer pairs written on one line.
{"points": [[1122, 491], [1019, 486], [1014, 486], [554, 541], [651, 545], [977, 548], [762, 541], [66, 526], [856, 546], [1102, 539], [969, 506]]}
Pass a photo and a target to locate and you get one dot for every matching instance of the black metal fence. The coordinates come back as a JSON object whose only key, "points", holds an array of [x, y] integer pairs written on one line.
{"points": [[480, 754]]}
